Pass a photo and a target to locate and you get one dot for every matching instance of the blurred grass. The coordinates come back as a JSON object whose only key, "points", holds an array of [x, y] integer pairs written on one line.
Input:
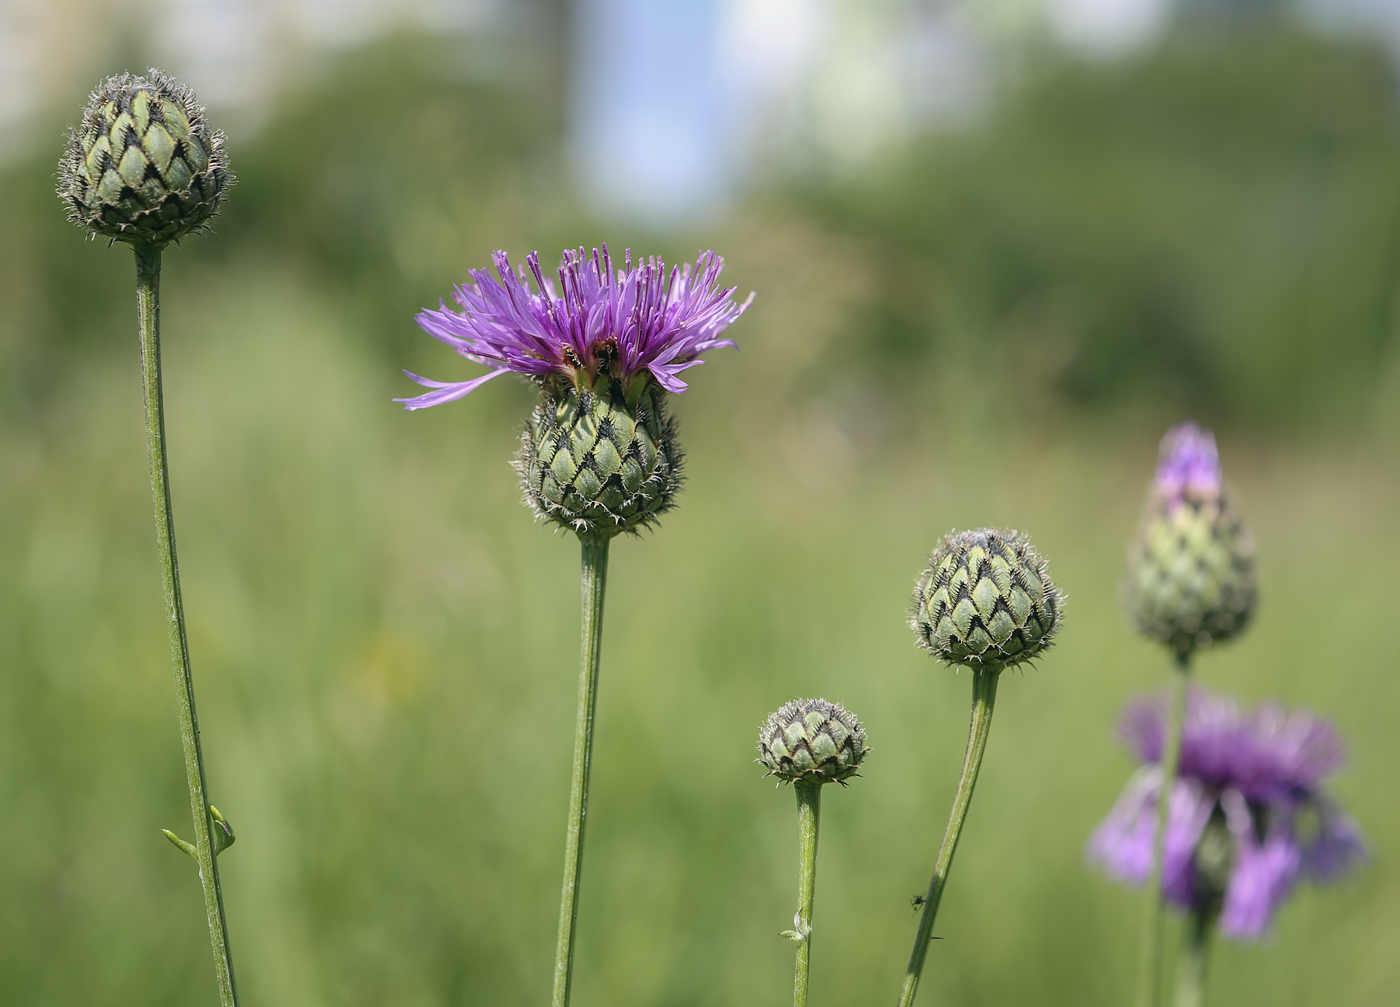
{"points": [[385, 645]]}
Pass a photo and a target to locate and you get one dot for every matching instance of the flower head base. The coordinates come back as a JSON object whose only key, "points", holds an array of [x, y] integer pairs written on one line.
{"points": [[985, 600], [1247, 817], [598, 464], [811, 741], [143, 166], [628, 324], [1190, 579]]}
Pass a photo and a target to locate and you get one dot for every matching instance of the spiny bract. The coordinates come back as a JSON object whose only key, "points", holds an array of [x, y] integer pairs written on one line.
{"points": [[811, 741], [143, 166], [593, 462], [985, 600]]}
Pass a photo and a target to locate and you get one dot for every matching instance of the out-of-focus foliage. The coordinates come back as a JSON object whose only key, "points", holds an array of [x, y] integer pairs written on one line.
{"points": [[385, 646], [1216, 225], [376, 185]]}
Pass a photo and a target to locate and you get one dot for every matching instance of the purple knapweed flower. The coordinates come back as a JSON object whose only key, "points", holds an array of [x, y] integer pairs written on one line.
{"points": [[1250, 781], [1188, 464], [631, 321]]}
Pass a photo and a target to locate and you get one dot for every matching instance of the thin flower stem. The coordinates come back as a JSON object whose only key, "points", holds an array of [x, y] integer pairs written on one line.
{"points": [[809, 813], [148, 322], [1150, 968], [595, 579], [1193, 959], [984, 695]]}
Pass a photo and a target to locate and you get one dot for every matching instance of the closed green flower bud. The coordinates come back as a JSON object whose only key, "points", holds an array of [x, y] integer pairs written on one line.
{"points": [[985, 600], [1190, 579], [597, 460], [143, 166], [811, 741]]}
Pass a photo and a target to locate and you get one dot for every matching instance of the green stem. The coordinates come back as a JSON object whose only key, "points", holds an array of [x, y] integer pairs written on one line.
{"points": [[809, 814], [1150, 967], [148, 323], [1195, 954], [595, 580], [984, 695]]}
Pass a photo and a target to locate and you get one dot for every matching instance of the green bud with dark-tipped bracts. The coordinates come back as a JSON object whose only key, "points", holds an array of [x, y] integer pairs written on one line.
{"points": [[600, 459], [1190, 579], [812, 741], [143, 166], [985, 600]]}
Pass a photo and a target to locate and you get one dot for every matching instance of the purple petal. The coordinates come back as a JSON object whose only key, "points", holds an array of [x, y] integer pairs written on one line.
{"points": [[1262, 875], [447, 390], [1122, 844], [1338, 846], [1187, 817], [1188, 463]]}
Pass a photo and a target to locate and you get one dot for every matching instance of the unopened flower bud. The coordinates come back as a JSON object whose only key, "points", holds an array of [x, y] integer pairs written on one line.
{"points": [[143, 166], [811, 741], [1190, 579], [985, 600]]}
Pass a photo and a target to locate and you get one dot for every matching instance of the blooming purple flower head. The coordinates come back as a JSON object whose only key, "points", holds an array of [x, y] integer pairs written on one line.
{"points": [[1188, 464], [1247, 817], [628, 323]]}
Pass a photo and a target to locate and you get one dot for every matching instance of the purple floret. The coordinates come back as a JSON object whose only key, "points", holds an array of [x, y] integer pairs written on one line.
{"points": [[629, 320], [1188, 463], [1261, 774]]}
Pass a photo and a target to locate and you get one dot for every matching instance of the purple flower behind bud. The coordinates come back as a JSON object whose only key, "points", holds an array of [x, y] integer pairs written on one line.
{"points": [[1188, 464], [1248, 818]]}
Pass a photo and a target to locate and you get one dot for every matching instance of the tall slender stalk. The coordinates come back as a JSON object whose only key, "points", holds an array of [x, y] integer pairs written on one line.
{"points": [[809, 813], [595, 580], [1194, 956], [984, 695], [1150, 966], [148, 323]]}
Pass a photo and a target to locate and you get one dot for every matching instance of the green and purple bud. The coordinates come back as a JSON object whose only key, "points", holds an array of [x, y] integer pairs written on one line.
{"points": [[986, 601], [811, 741], [1190, 579], [143, 166]]}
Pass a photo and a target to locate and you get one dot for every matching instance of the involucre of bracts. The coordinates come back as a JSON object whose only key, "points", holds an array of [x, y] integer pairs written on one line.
{"points": [[985, 600], [811, 741], [143, 166], [596, 463]]}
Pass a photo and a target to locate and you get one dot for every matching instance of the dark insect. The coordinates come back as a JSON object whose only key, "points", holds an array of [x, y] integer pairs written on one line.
{"points": [[916, 901]]}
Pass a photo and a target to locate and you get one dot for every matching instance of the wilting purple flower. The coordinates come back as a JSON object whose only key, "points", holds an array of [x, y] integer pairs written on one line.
{"points": [[1256, 778], [1188, 463], [626, 321]]}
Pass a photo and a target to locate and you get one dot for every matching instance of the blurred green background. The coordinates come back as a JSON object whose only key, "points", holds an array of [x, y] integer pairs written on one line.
{"points": [[988, 325]]}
